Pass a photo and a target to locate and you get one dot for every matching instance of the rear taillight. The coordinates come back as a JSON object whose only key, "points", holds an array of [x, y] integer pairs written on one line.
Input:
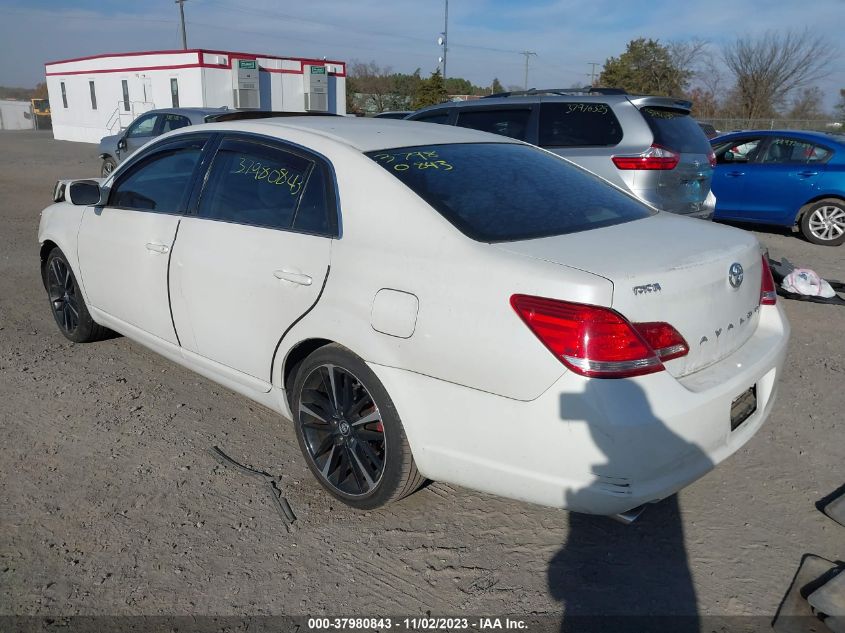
{"points": [[599, 342], [712, 158], [655, 157], [768, 293]]}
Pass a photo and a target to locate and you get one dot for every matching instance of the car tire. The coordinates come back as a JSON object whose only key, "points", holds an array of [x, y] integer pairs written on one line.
{"points": [[109, 164], [66, 301], [823, 222], [349, 430]]}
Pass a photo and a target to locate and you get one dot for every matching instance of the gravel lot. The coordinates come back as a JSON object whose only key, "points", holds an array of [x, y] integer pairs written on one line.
{"points": [[111, 504]]}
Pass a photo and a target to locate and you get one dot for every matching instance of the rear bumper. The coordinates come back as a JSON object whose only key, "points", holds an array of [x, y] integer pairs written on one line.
{"points": [[595, 446]]}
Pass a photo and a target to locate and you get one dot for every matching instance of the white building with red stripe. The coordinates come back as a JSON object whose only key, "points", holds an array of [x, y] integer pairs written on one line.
{"points": [[91, 97]]}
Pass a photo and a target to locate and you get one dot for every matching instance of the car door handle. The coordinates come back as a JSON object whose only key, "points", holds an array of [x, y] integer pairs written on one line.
{"points": [[293, 277], [154, 247], [807, 174], [735, 174]]}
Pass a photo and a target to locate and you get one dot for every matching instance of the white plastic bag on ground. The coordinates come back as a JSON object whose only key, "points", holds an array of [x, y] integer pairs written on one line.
{"points": [[804, 281]]}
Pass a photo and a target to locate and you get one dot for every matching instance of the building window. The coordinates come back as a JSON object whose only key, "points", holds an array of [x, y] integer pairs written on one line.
{"points": [[64, 95], [174, 92], [125, 85], [93, 95]]}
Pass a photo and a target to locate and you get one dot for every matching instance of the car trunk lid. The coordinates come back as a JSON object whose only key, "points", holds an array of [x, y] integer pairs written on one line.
{"points": [[672, 269], [683, 189]]}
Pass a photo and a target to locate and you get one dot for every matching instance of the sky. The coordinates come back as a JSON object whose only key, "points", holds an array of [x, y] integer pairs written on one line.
{"points": [[486, 37]]}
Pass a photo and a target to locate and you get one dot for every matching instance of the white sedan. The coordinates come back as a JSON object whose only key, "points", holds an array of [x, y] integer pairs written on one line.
{"points": [[426, 301]]}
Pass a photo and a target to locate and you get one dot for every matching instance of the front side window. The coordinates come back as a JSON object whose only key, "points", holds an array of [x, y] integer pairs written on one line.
{"points": [[64, 95], [160, 181], [255, 184], [512, 123], [174, 92], [143, 127], [742, 150], [578, 125], [500, 192], [93, 92], [124, 84]]}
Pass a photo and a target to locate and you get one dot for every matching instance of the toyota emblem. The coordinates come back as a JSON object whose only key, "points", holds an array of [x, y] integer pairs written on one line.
{"points": [[735, 275]]}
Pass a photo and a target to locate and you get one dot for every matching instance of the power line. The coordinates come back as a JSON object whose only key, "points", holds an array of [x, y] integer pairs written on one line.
{"points": [[323, 23], [86, 18]]}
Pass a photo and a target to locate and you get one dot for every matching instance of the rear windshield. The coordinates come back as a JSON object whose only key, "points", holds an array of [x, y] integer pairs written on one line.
{"points": [[501, 192], [676, 130]]}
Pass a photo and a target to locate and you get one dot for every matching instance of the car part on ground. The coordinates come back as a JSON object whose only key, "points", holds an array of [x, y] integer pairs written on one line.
{"points": [[649, 146], [782, 269], [224, 248], [280, 502]]}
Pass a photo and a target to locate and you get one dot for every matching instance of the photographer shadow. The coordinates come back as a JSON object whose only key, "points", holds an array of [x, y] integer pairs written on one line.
{"points": [[612, 576]]}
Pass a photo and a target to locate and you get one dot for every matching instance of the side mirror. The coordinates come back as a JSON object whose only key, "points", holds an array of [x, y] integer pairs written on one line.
{"points": [[84, 193], [121, 144]]}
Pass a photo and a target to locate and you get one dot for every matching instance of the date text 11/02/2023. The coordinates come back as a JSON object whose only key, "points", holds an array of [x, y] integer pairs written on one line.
{"points": [[316, 625]]}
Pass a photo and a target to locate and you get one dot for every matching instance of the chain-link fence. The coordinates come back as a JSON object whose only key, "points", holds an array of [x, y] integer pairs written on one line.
{"points": [[728, 125]]}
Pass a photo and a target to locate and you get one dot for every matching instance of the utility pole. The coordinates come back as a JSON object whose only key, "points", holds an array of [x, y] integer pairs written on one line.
{"points": [[443, 40], [593, 72], [181, 4], [527, 54]]}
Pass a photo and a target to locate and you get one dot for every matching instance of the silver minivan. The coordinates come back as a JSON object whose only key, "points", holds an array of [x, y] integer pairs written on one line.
{"points": [[648, 145]]}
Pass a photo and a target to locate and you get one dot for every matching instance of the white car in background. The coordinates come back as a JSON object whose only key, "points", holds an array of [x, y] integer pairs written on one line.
{"points": [[429, 302]]}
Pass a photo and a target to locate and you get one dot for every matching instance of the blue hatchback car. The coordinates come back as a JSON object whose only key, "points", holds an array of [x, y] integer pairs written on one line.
{"points": [[785, 178]]}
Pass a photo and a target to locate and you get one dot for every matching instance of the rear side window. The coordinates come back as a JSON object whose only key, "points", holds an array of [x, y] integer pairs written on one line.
{"points": [[312, 214], [173, 122], [578, 125], [500, 192], [512, 123], [676, 130], [160, 182], [788, 150], [251, 183]]}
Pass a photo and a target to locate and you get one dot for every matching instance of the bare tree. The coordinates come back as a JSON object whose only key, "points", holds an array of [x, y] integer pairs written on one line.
{"points": [[372, 85], [807, 105], [770, 67], [689, 55]]}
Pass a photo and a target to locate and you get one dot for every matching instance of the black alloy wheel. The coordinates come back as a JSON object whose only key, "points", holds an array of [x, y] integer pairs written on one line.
{"points": [[343, 430], [349, 430], [61, 287], [67, 303]]}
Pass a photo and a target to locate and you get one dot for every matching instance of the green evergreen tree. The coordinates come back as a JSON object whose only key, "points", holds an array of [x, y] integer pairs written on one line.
{"points": [[430, 91], [646, 67]]}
